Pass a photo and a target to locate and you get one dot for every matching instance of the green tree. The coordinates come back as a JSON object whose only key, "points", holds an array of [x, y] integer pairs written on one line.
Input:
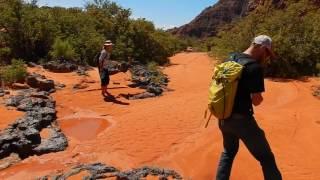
{"points": [[62, 49]]}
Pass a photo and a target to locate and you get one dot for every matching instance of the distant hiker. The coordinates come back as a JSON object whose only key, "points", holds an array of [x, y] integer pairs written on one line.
{"points": [[104, 57], [241, 125]]}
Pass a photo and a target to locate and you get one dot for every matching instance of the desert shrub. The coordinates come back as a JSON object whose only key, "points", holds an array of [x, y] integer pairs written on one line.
{"points": [[157, 76], [62, 49], [16, 72], [152, 66]]}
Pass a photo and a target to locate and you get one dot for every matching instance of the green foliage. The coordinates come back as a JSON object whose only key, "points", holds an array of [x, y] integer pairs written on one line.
{"points": [[33, 30], [157, 75], [318, 69], [4, 54], [152, 66], [16, 72], [295, 33], [62, 49], [199, 45], [144, 43]]}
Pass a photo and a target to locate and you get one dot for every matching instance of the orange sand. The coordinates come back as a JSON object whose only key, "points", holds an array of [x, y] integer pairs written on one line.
{"points": [[7, 115], [169, 131]]}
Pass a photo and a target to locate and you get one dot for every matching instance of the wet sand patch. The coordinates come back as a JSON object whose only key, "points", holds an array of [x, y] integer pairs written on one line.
{"points": [[83, 129]]}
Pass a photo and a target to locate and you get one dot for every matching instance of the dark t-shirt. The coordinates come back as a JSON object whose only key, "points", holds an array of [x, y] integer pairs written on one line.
{"points": [[251, 81]]}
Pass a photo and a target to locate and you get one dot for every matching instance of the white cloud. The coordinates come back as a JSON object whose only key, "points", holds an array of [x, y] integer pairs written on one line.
{"points": [[165, 26]]}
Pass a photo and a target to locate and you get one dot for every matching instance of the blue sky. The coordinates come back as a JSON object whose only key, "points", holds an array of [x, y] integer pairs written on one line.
{"points": [[164, 13]]}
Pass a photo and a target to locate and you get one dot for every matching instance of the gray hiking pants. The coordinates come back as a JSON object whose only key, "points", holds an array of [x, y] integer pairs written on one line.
{"points": [[245, 128]]}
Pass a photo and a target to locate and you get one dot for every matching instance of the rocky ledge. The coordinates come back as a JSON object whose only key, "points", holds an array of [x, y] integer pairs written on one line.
{"points": [[154, 82], [40, 82], [23, 136], [101, 171], [115, 67], [60, 66]]}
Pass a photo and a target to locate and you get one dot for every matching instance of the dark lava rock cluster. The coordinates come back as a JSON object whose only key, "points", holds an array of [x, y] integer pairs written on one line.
{"points": [[23, 136], [154, 82], [101, 171]]}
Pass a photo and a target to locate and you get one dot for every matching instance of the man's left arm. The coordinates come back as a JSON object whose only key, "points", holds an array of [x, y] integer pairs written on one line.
{"points": [[257, 85]]}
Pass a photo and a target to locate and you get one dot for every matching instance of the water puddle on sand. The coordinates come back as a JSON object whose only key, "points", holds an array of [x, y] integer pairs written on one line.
{"points": [[83, 129]]}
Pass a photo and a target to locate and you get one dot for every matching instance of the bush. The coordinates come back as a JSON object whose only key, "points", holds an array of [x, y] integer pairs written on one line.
{"points": [[158, 77], [16, 72], [152, 66], [295, 33], [62, 49], [4, 54]]}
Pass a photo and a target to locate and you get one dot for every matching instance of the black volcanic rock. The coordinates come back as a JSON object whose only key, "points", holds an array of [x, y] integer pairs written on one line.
{"points": [[40, 82], [60, 66], [142, 77], [55, 143], [23, 136], [115, 67], [101, 171]]}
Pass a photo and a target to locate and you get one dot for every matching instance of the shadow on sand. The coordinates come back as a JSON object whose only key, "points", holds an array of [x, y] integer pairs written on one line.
{"points": [[111, 98], [99, 89], [172, 64], [300, 79]]}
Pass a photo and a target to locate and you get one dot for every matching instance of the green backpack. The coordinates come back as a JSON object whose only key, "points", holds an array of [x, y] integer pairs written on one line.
{"points": [[224, 86]]}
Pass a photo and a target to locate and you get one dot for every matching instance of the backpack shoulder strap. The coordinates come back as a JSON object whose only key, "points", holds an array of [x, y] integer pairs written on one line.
{"points": [[245, 61], [241, 59], [97, 60]]}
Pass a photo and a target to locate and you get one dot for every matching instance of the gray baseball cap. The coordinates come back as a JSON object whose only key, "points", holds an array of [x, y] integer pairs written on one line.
{"points": [[265, 41]]}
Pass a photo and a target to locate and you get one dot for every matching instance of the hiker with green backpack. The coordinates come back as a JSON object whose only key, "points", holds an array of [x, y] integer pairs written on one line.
{"points": [[237, 84]]}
